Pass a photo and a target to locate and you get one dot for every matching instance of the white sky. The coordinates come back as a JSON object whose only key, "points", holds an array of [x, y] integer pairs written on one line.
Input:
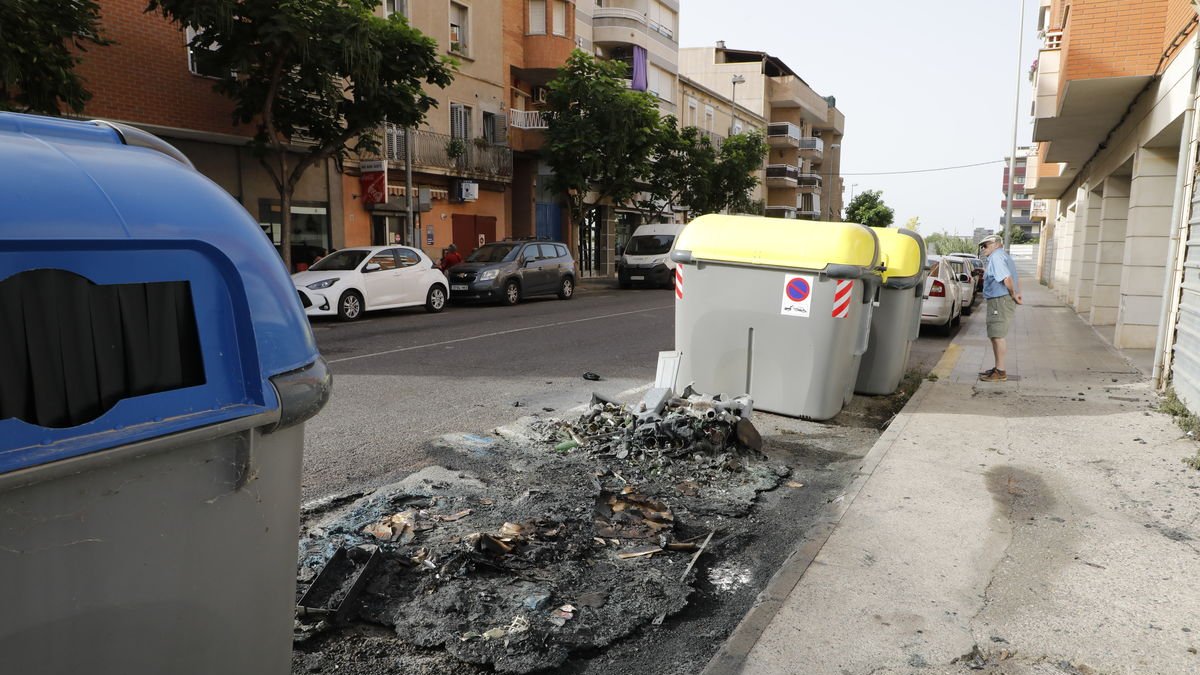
{"points": [[923, 84]]}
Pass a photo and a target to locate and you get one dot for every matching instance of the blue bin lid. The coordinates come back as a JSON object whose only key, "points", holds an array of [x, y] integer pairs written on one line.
{"points": [[77, 198]]}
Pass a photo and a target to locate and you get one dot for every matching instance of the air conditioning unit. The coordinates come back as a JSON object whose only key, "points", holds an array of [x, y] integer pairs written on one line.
{"points": [[539, 94]]}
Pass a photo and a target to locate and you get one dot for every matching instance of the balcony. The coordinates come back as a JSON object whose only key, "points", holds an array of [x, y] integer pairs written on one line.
{"points": [[717, 140], [808, 206], [812, 149], [611, 25], [808, 182], [439, 153], [780, 211], [789, 91], [528, 119], [782, 176], [783, 135]]}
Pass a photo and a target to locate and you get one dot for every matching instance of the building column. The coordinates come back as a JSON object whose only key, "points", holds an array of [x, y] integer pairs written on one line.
{"points": [[1151, 200], [1110, 251], [1064, 228], [1077, 246], [1089, 242]]}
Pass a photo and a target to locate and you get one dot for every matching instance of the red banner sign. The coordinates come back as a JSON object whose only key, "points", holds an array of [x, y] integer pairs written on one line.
{"points": [[374, 182]]}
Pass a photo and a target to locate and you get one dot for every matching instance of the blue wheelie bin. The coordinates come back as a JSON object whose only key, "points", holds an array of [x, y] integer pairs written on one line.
{"points": [[157, 372]]}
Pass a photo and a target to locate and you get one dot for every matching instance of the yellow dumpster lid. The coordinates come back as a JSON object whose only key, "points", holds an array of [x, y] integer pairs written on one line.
{"points": [[902, 252], [778, 242]]}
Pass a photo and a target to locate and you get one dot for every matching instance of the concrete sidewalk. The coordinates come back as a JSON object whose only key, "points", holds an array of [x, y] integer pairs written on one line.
{"points": [[1043, 525]]}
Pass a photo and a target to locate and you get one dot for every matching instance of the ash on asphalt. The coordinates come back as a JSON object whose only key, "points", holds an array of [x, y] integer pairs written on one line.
{"points": [[437, 628]]}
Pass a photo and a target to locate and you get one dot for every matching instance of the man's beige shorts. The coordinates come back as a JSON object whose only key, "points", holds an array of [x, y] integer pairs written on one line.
{"points": [[1000, 315]]}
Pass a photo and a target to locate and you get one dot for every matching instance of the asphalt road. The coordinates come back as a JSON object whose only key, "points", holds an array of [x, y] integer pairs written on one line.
{"points": [[405, 377], [402, 378]]}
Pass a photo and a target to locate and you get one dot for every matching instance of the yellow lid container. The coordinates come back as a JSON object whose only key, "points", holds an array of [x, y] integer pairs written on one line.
{"points": [[778, 242], [903, 255]]}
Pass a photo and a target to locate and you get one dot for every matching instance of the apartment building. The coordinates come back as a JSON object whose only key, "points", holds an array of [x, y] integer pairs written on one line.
{"points": [[713, 113], [1114, 81], [460, 160], [149, 79], [803, 129], [1022, 204]]}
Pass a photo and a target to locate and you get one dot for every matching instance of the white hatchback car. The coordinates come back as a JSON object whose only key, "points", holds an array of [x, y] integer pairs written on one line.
{"points": [[354, 280], [942, 305]]}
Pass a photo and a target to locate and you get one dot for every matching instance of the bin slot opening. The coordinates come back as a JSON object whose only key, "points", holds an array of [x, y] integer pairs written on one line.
{"points": [[73, 349]]}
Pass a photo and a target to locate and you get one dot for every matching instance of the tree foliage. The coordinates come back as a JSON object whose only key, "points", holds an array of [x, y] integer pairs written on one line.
{"points": [[913, 224], [329, 71], [940, 243], [1019, 236], [690, 173], [41, 42], [867, 208], [601, 136]]}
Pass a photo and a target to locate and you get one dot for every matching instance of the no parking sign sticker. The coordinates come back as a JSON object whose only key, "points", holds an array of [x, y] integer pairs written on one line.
{"points": [[797, 295]]}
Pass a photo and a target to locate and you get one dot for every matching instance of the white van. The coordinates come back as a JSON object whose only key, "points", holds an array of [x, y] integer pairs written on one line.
{"points": [[647, 256]]}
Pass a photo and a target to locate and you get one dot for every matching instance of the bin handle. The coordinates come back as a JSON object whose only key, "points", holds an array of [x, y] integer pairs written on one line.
{"points": [[302, 393]]}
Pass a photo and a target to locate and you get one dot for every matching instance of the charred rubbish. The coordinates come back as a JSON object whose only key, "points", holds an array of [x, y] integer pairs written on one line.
{"points": [[562, 551]]}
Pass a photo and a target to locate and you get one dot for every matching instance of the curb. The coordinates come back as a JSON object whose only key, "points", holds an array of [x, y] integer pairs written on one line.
{"points": [[732, 655]]}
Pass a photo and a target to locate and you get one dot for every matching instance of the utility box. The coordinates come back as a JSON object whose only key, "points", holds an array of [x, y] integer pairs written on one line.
{"points": [[778, 309], [158, 369], [896, 322]]}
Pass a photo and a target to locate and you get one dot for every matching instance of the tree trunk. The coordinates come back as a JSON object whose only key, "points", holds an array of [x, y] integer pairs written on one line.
{"points": [[286, 187]]}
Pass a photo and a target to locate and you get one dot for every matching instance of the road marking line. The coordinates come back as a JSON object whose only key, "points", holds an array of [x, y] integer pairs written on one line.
{"points": [[945, 365], [498, 333]]}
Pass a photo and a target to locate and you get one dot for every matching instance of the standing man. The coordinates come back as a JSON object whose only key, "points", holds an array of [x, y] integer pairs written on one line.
{"points": [[1002, 295]]}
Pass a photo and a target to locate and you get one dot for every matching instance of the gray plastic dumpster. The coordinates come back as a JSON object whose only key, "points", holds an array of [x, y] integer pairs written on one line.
{"points": [[158, 369], [778, 309], [896, 322]]}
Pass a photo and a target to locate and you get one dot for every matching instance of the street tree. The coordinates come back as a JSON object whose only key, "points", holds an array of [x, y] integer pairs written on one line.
{"points": [[327, 71], [941, 243], [601, 136], [1019, 236], [41, 42], [913, 224], [679, 155], [733, 176], [867, 208]]}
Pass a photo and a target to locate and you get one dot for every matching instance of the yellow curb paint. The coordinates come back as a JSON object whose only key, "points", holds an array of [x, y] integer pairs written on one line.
{"points": [[945, 365]]}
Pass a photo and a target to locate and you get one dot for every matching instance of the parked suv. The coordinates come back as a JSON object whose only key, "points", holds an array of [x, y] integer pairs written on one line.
{"points": [[513, 269]]}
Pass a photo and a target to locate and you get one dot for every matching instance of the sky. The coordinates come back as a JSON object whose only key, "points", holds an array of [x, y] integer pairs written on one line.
{"points": [[924, 84]]}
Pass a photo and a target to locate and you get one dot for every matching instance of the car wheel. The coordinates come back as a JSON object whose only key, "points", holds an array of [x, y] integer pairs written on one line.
{"points": [[566, 288], [621, 283], [947, 328], [350, 306], [512, 292], [436, 300], [966, 311]]}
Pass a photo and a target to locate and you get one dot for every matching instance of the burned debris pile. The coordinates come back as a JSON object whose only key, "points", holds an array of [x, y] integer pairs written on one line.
{"points": [[589, 530]]}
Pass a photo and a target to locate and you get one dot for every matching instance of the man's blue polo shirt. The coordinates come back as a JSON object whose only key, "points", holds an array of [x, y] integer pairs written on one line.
{"points": [[999, 267]]}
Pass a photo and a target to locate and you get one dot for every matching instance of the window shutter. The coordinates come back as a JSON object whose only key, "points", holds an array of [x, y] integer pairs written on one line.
{"points": [[560, 17], [537, 17]]}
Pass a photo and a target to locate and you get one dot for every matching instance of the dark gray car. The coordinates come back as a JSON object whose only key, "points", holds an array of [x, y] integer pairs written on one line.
{"points": [[513, 269]]}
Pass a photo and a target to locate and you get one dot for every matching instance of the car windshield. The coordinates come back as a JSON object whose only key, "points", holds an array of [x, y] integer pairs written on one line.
{"points": [[342, 261], [493, 253], [649, 244]]}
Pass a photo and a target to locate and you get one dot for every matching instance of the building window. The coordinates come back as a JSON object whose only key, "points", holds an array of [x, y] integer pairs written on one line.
{"points": [[537, 17], [200, 59], [709, 117], [460, 121], [495, 131], [460, 29], [560, 17], [693, 115], [396, 7]]}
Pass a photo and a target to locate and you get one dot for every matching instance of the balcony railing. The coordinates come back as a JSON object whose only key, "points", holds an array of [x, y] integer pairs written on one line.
{"points": [[808, 206], [445, 153], [716, 139], [1053, 39], [779, 211], [809, 181], [812, 145], [528, 119], [783, 134], [782, 175], [618, 13]]}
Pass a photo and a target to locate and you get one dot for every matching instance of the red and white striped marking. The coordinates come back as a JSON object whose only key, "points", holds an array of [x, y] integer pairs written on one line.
{"points": [[679, 281], [842, 295]]}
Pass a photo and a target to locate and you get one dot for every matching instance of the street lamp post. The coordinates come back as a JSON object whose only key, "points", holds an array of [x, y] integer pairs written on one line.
{"points": [[736, 80], [1012, 160]]}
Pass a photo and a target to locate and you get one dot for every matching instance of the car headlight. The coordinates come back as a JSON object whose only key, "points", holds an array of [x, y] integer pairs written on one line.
{"points": [[489, 275], [324, 283]]}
